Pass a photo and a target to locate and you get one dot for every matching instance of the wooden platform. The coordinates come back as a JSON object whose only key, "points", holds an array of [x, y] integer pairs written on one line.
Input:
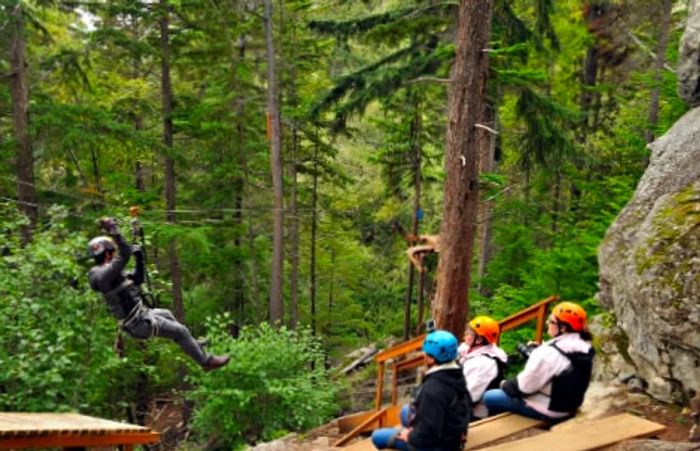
{"points": [[37, 430], [480, 433], [585, 436]]}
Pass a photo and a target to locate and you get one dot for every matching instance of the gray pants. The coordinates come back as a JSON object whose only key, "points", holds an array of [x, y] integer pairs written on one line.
{"points": [[161, 323]]}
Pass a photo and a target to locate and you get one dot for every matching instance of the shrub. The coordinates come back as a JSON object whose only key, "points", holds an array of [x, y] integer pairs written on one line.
{"points": [[276, 382]]}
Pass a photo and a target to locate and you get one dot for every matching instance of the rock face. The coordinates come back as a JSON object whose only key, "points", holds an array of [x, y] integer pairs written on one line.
{"points": [[650, 262], [689, 62]]}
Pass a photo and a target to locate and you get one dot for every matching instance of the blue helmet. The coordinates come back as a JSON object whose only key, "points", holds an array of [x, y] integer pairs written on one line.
{"points": [[441, 345]]}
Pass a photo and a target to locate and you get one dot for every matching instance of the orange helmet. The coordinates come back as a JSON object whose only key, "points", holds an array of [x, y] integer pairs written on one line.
{"points": [[486, 327], [572, 314]]}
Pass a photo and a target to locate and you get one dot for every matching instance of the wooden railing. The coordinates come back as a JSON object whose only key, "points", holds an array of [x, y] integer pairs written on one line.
{"points": [[536, 312]]}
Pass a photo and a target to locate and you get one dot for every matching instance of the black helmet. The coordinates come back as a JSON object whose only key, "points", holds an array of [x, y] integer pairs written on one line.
{"points": [[99, 245]]}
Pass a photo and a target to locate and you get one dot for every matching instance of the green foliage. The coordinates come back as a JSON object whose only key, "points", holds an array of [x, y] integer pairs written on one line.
{"points": [[276, 382], [57, 340]]}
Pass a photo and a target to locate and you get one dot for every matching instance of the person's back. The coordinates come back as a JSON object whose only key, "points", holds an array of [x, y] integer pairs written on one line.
{"points": [[557, 373], [438, 417], [441, 409], [483, 362]]}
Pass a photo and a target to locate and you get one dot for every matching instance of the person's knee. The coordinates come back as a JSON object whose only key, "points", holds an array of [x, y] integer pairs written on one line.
{"points": [[406, 414], [496, 401], [384, 438]]}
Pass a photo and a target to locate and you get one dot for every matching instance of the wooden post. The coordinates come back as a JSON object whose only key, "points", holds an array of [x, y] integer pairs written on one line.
{"points": [[394, 385], [541, 318], [380, 386]]}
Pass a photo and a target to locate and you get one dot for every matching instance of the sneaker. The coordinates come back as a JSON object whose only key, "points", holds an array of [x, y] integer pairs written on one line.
{"points": [[215, 361]]}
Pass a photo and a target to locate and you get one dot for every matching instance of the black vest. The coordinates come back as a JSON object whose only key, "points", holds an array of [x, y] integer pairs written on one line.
{"points": [[569, 387]]}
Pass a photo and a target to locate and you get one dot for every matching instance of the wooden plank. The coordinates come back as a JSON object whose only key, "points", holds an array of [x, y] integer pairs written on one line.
{"points": [[585, 436], [525, 315], [58, 441], [350, 422], [361, 427], [480, 433], [363, 445], [20, 424], [411, 345], [494, 428]]}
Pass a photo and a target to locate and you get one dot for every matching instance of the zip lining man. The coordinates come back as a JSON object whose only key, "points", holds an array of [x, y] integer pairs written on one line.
{"points": [[125, 301]]}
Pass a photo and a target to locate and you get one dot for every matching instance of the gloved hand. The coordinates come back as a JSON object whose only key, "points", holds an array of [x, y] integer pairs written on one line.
{"points": [[109, 225]]}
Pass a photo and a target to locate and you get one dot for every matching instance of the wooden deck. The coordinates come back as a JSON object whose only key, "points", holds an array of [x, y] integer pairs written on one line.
{"points": [[37, 430], [586, 436], [480, 432]]}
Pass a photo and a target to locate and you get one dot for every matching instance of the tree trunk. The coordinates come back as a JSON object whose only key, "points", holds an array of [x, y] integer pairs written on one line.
{"points": [[19, 91], [487, 163], [238, 106], [414, 139], [312, 259], [331, 293], [276, 302], [555, 207], [466, 106], [658, 68], [96, 173], [294, 236], [170, 193]]}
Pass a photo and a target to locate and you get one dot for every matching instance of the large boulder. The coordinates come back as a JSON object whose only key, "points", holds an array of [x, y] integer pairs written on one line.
{"points": [[650, 265], [689, 61]]}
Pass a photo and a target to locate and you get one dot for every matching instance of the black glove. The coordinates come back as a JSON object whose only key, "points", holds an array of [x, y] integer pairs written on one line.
{"points": [[109, 225]]}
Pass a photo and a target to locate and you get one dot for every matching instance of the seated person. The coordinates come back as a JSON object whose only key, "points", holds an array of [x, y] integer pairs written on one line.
{"points": [[556, 375], [483, 362], [438, 416]]}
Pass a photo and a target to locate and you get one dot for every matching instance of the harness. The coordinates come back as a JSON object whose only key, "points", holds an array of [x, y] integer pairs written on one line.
{"points": [[138, 311], [569, 387]]}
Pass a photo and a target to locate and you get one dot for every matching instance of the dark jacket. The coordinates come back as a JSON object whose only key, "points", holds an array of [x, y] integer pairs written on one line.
{"points": [[441, 409], [109, 279]]}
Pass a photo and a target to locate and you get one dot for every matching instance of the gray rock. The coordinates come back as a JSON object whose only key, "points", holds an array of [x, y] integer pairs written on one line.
{"points": [[653, 445], [689, 58], [650, 267]]}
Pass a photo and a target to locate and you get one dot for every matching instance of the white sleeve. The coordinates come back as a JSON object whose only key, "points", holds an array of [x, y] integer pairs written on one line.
{"points": [[479, 372], [539, 370]]}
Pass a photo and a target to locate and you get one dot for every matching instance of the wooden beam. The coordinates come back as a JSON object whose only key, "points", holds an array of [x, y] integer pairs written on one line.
{"points": [[380, 386], [361, 427], [66, 441], [586, 435], [413, 344]]}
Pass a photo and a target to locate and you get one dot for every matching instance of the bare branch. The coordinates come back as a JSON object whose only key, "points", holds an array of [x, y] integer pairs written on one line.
{"points": [[647, 50], [429, 80]]}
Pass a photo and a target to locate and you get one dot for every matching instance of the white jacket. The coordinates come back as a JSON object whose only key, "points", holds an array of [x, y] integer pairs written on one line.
{"points": [[545, 363], [480, 369]]}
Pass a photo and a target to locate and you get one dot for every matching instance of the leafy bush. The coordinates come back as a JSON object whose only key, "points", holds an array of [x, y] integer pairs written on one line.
{"points": [[276, 382], [56, 339]]}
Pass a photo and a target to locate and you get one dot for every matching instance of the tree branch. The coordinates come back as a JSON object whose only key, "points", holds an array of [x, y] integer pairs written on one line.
{"points": [[647, 50], [429, 80]]}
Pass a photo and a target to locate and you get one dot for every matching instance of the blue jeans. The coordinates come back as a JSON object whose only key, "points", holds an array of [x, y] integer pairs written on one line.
{"points": [[498, 401], [386, 437]]}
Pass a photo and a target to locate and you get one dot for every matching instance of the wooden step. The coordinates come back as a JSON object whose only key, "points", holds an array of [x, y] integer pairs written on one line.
{"points": [[588, 435], [480, 433]]}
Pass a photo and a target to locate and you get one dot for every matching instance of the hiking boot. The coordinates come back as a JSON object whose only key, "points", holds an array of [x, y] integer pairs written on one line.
{"points": [[215, 361]]}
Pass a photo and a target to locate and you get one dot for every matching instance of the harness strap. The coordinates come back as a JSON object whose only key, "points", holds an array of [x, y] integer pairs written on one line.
{"points": [[134, 316], [121, 287]]}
